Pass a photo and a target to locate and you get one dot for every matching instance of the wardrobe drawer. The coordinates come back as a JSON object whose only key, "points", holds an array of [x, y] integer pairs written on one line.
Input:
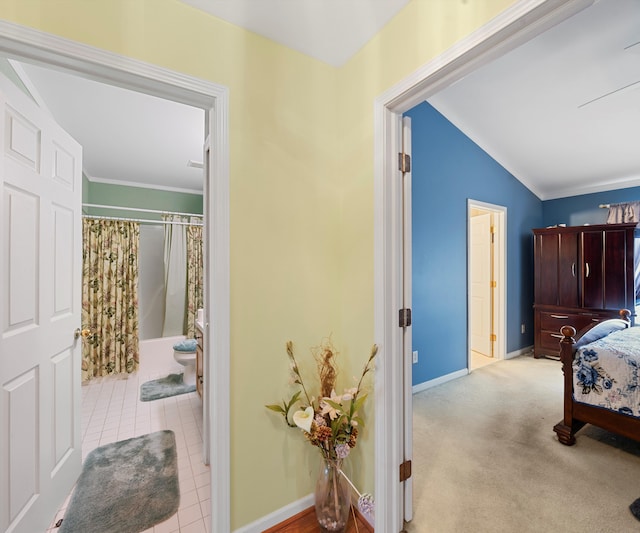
{"points": [[552, 321], [550, 341]]}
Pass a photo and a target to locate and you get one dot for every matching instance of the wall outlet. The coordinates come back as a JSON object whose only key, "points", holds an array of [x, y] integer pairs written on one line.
{"points": [[415, 356], [523, 329]]}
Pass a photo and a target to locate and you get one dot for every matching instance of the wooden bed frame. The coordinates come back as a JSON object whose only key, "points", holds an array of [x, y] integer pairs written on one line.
{"points": [[576, 414]]}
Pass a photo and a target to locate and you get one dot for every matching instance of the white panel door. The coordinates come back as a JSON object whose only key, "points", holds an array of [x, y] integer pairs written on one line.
{"points": [[480, 314], [40, 277]]}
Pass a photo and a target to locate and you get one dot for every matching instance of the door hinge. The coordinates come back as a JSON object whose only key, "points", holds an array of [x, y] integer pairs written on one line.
{"points": [[405, 471], [493, 337], [494, 284], [404, 318], [404, 162]]}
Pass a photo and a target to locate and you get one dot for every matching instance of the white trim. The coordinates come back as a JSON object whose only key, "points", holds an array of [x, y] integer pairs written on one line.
{"points": [[500, 258], [439, 381], [51, 51], [527, 350], [277, 516], [139, 185], [517, 24]]}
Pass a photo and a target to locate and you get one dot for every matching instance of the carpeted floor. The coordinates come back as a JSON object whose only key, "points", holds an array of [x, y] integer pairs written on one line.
{"points": [[126, 487], [486, 459]]}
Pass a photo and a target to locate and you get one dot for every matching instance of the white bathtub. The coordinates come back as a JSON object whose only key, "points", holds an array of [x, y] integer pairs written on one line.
{"points": [[156, 356]]}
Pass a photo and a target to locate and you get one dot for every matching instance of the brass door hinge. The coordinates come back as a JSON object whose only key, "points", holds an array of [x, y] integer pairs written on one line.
{"points": [[494, 284], [404, 162], [405, 471], [493, 337], [404, 318]]}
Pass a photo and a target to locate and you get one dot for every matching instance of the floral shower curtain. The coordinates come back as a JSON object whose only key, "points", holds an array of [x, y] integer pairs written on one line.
{"points": [[194, 277], [110, 297]]}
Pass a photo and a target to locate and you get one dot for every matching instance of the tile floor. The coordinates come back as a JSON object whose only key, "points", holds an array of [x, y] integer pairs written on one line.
{"points": [[112, 411]]}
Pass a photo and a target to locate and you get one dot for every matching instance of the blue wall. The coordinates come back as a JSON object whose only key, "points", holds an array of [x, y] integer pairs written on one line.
{"points": [[583, 209], [447, 169]]}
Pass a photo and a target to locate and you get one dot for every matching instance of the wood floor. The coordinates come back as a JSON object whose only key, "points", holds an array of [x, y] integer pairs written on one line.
{"points": [[305, 522]]}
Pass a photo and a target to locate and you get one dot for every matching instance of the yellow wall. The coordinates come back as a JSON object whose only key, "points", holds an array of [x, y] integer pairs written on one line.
{"points": [[301, 199]]}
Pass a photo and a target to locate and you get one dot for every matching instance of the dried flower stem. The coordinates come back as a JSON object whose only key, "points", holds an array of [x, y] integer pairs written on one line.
{"points": [[300, 381]]}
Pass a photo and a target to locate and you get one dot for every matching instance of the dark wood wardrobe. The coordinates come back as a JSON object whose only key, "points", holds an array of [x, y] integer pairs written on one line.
{"points": [[582, 274]]}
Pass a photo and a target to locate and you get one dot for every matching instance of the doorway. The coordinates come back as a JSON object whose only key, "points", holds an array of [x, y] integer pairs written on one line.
{"points": [[29, 45], [514, 26], [486, 230]]}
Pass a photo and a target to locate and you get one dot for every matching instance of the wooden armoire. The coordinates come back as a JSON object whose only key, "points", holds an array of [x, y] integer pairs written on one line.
{"points": [[582, 274]]}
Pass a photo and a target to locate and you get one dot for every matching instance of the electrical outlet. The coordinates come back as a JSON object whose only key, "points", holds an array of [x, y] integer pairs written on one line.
{"points": [[415, 356], [523, 329]]}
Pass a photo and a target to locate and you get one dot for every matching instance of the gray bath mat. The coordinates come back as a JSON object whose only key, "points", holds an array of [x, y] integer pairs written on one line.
{"points": [[172, 385], [126, 487]]}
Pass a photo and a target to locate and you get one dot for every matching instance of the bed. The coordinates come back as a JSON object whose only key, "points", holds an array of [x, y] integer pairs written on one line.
{"points": [[601, 367]]}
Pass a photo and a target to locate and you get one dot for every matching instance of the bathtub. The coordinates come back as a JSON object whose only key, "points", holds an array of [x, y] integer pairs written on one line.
{"points": [[156, 356]]}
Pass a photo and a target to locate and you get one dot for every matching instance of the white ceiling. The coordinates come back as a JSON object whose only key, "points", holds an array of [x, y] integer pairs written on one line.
{"points": [[126, 136], [329, 30], [561, 113]]}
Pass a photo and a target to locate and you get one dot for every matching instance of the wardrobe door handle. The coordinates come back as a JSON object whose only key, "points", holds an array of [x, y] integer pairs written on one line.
{"points": [[587, 266], [563, 317], [573, 269]]}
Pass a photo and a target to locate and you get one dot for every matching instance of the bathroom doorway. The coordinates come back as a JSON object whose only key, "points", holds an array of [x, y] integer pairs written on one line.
{"points": [[486, 283]]}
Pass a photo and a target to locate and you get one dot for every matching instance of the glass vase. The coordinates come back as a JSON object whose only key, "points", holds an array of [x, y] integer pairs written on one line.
{"points": [[333, 497]]}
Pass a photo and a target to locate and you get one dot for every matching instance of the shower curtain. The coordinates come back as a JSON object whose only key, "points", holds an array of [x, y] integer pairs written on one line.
{"points": [[110, 297], [183, 275], [194, 277]]}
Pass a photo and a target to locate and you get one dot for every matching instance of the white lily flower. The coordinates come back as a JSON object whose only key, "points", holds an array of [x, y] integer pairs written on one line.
{"points": [[304, 419]]}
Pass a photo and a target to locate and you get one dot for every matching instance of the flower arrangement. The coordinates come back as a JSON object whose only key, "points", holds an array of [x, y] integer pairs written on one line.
{"points": [[329, 421]]}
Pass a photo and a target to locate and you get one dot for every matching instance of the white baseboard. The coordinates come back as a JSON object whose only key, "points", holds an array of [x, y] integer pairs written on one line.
{"points": [[279, 515], [522, 351], [439, 381]]}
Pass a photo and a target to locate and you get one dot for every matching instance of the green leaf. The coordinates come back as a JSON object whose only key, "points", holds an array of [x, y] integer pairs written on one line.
{"points": [[276, 408], [355, 406]]}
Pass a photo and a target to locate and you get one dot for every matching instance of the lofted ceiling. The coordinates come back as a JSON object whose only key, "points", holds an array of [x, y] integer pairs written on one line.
{"points": [[561, 112]]}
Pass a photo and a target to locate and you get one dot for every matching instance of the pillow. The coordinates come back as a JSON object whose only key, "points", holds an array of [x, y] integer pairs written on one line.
{"points": [[600, 330], [187, 345]]}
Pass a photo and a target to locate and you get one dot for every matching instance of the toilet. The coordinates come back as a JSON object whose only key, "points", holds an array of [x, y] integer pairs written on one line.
{"points": [[184, 352]]}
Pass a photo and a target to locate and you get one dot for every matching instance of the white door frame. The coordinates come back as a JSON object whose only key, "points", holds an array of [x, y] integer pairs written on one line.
{"points": [[50, 51], [500, 275], [516, 25]]}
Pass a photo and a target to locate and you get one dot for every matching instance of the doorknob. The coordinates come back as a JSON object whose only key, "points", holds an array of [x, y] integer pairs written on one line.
{"points": [[84, 333]]}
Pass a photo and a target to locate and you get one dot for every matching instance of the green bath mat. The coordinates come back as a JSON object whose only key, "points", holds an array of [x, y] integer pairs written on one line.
{"points": [[126, 487], [172, 385]]}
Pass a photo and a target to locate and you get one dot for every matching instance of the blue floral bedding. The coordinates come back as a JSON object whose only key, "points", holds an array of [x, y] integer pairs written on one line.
{"points": [[605, 372]]}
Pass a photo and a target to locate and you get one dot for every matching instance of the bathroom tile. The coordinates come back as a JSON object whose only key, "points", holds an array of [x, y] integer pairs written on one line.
{"points": [[168, 526], [111, 411], [195, 527], [204, 492], [189, 514], [187, 499], [202, 479]]}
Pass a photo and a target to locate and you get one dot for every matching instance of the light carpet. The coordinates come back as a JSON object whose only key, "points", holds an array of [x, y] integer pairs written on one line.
{"points": [[486, 458], [172, 385], [126, 487]]}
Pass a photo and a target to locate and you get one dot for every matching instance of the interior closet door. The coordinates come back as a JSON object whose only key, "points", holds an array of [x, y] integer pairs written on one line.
{"points": [[40, 313]]}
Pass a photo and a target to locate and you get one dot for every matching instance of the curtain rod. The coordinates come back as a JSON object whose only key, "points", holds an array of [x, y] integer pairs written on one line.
{"points": [[607, 206], [143, 220], [140, 210]]}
